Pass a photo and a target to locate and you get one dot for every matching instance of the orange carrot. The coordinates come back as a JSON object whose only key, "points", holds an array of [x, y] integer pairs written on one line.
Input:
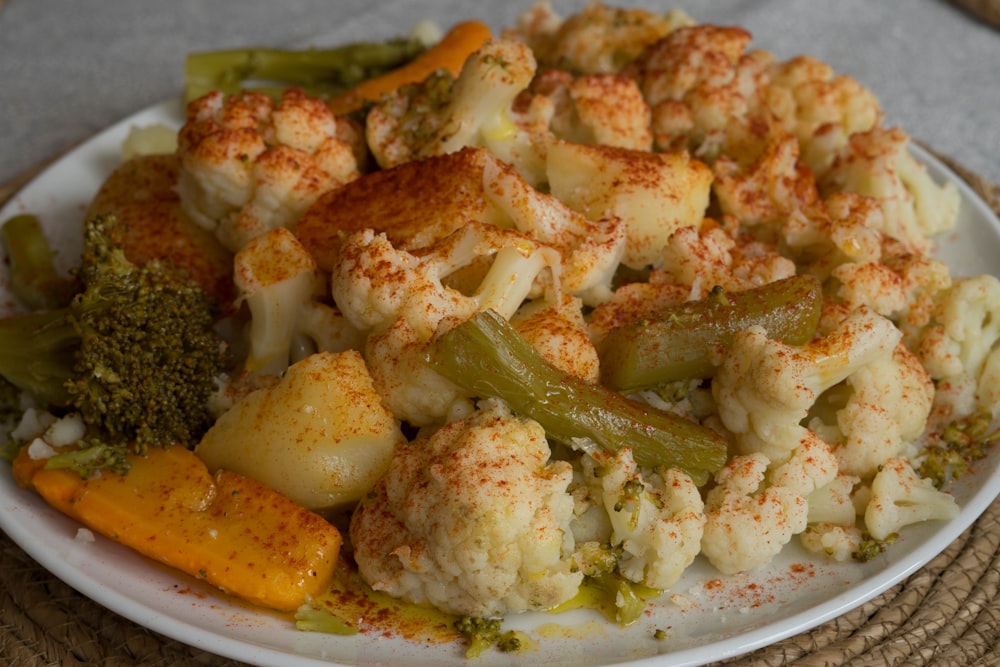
{"points": [[229, 530], [461, 41]]}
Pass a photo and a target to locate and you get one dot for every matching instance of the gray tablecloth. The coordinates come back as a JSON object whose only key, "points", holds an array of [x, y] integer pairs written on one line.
{"points": [[69, 68]]}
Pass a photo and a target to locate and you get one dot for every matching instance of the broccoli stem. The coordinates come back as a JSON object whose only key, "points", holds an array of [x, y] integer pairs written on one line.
{"points": [[320, 72], [487, 357], [33, 277], [677, 345], [135, 352], [37, 353], [90, 457]]}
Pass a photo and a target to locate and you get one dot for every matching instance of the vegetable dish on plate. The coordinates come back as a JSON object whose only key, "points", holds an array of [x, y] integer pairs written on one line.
{"points": [[507, 322]]}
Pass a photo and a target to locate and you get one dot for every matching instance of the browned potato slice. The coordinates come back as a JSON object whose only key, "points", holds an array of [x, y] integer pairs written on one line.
{"points": [[142, 194], [415, 204]]}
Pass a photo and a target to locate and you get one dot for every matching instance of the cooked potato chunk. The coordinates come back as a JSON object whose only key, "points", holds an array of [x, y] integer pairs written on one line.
{"points": [[320, 436]]}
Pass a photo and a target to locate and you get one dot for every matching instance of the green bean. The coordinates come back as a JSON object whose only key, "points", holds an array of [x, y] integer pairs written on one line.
{"points": [[320, 72], [677, 345], [487, 357]]}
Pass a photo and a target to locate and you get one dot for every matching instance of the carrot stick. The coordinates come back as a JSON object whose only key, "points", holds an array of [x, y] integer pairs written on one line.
{"points": [[461, 41], [227, 529]]}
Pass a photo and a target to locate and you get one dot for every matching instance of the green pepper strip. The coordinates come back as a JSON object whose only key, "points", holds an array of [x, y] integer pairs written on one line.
{"points": [[677, 345], [320, 72], [488, 358]]}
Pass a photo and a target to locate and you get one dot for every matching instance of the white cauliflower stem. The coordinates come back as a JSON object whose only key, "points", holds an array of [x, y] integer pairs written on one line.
{"points": [[375, 284], [278, 281], [473, 520]]}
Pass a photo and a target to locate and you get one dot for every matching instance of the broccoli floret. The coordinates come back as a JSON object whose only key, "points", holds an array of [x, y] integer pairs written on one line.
{"points": [[90, 457], [870, 547], [483, 634], [962, 443], [134, 353]]}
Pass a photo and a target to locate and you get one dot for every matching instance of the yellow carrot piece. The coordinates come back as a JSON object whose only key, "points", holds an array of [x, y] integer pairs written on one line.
{"points": [[233, 532], [461, 41]]}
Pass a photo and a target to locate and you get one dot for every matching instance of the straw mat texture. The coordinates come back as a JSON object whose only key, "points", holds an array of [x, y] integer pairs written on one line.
{"points": [[985, 10], [945, 615]]}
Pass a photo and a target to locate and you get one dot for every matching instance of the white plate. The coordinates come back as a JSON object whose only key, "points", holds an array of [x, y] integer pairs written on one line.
{"points": [[720, 618]]}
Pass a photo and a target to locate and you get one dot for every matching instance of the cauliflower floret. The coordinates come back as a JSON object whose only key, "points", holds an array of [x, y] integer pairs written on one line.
{"points": [[878, 163], [954, 399], [924, 281], [869, 284], [442, 115], [820, 108], [890, 401], [769, 188], [654, 194], [374, 284], [401, 300], [476, 189], [277, 279], [633, 302], [961, 340], [524, 244], [832, 503], [248, 165], [899, 497], [473, 520], [409, 387], [811, 466], [598, 39], [746, 522], [593, 109], [656, 520], [559, 333], [591, 250], [836, 541], [702, 86], [321, 435], [844, 227], [765, 388], [712, 255]]}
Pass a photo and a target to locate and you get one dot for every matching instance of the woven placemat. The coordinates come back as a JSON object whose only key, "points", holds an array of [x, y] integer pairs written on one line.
{"points": [[985, 10], [947, 614]]}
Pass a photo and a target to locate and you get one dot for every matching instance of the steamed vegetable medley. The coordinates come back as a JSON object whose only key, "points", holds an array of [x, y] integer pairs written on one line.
{"points": [[615, 292]]}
